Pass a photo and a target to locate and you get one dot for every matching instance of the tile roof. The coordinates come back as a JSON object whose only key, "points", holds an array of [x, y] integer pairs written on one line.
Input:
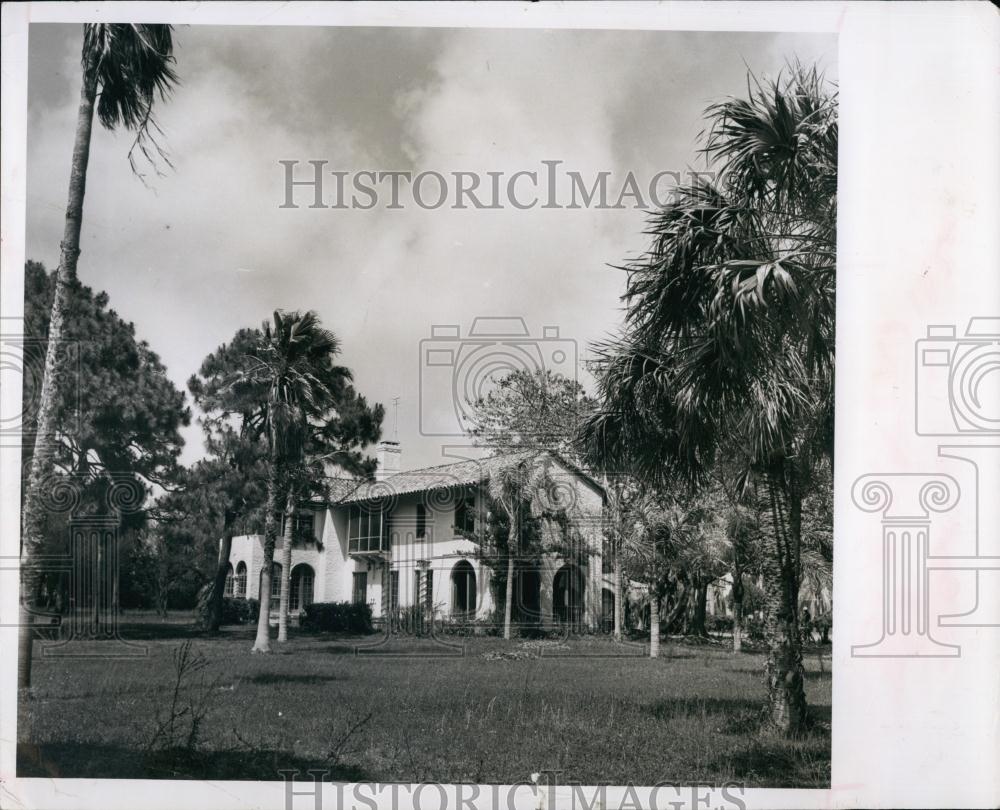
{"points": [[340, 487], [460, 473]]}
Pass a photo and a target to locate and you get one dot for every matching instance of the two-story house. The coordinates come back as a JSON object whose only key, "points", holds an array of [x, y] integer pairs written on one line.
{"points": [[410, 538]]}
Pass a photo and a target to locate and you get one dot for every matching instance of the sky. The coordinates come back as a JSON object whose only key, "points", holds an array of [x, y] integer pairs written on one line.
{"points": [[205, 249]]}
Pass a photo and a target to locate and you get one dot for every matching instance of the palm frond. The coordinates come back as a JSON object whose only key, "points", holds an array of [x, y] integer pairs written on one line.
{"points": [[131, 66]]}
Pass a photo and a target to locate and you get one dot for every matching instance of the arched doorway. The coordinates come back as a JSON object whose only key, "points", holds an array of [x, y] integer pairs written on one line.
{"points": [[527, 607], [301, 587], [463, 591], [608, 610], [567, 596]]}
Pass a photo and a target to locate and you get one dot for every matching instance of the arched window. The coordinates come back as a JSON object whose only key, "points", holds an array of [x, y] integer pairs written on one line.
{"points": [[608, 610], [463, 590], [240, 588], [301, 593], [229, 581]]}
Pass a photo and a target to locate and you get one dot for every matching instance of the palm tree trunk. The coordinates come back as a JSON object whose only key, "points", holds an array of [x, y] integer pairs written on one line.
{"points": [[696, 617], [286, 567], [45, 429], [618, 595], [262, 644], [654, 626], [509, 595], [784, 675], [737, 611], [215, 600]]}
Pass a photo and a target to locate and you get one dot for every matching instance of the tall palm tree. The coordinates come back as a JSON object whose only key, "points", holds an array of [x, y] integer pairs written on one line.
{"points": [[729, 334], [126, 67], [518, 488], [294, 364]]}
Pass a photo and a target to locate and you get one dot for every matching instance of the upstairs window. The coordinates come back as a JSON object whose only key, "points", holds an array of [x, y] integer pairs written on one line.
{"points": [[367, 529], [303, 528], [465, 514]]}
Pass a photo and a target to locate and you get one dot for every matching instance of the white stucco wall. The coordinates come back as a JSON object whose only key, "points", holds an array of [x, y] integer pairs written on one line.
{"points": [[440, 551]]}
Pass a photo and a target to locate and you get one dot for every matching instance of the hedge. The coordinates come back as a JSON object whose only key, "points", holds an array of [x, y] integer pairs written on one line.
{"points": [[338, 617], [239, 611]]}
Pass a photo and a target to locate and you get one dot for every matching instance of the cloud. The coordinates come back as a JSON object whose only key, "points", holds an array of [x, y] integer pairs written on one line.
{"points": [[208, 250]]}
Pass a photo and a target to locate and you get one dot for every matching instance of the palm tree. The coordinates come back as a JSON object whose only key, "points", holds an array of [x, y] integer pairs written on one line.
{"points": [[125, 68], [729, 338], [294, 364], [521, 488]]}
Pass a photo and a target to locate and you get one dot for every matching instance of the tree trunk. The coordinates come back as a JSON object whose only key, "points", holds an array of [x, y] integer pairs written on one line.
{"points": [[262, 644], [509, 589], [737, 611], [618, 594], [286, 567], [783, 670], [654, 626], [696, 618], [508, 596], [33, 517], [680, 606], [215, 599]]}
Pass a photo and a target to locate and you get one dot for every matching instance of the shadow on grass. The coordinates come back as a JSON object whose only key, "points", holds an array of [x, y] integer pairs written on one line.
{"points": [[779, 763], [150, 631], [739, 717], [765, 757], [277, 678], [93, 761]]}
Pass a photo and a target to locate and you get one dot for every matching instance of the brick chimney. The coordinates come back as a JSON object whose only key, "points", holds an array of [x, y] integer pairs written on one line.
{"points": [[388, 457]]}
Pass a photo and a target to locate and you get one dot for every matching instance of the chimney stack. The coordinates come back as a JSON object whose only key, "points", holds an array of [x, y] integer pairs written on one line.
{"points": [[388, 457]]}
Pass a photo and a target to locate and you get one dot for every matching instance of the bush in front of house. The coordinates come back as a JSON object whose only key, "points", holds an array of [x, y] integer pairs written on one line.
{"points": [[338, 617], [239, 611], [719, 624]]}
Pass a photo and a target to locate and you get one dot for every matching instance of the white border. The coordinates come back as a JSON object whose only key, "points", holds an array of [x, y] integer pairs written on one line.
{"points": [[919, 82]]}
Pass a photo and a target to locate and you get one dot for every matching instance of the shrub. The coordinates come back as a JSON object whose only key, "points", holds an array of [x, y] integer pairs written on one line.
{"points": [[338, 617], [239, 611], [414, 620], [719, 624]]}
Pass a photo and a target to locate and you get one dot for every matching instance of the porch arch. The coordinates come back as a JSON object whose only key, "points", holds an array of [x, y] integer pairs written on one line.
{"points": [[301, 587], [463, 590], [568, 596]]}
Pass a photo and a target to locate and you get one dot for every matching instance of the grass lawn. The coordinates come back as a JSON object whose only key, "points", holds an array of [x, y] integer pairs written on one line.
{"points": [[488, 712]]}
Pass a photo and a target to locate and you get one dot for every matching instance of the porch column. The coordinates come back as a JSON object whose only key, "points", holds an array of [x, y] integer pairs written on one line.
{"points": [[484, 594]]}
